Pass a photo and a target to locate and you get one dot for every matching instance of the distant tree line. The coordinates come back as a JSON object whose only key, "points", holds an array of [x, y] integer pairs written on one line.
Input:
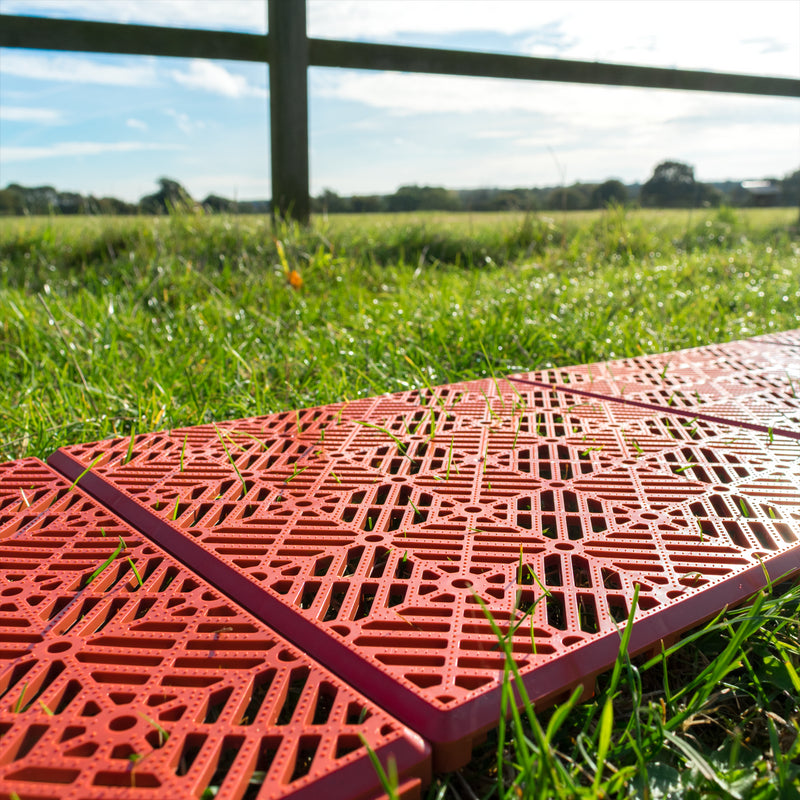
{"points": [[672, 185], [16, 200]]}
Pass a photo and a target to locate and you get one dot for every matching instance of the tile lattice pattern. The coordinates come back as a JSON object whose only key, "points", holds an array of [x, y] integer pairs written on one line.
{"points": [[367, 531], [754, 382], [125, 674]]}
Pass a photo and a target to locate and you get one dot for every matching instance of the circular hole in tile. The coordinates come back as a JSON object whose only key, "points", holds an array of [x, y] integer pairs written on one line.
{"points": [[398, 479], [287, 655], [719, 488], [461, 583], [473, 509], [122, 723], [556, 484], [11, 591], [59, 647], [374, 538], [303, 503], [649, 516], [563, 546]]}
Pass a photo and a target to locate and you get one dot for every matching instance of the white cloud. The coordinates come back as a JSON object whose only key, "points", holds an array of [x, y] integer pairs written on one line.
{"points": [[388, 19], [245, 15], [76, 69], [184, 121], [46, 116], [555, 112], [497, 134], [739, 37], [213, 77], [697, 35], [77, 149], [404, 94], [136, 124]]}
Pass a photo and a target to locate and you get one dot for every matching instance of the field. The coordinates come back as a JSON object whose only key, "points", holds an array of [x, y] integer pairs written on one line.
{"points": [[110, 326]]}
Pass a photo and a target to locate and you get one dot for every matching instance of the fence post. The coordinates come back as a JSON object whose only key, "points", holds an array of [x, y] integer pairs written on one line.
{"points": [[288, 106]]}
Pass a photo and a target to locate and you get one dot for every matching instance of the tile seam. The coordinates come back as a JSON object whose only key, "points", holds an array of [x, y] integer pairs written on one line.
{"points": [[187, 554], [680, 412], [411, 751]]}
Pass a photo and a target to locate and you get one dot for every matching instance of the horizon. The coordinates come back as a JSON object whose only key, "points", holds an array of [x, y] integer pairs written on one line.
{"points": [[96, 124], [268, 199]]}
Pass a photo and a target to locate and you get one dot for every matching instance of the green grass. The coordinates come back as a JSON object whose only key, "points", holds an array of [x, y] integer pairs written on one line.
{"points": [[114, 326], [714, 716], [109, 326]]}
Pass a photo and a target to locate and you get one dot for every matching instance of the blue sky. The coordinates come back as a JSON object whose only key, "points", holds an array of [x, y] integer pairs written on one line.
{"points": [[111, 125]]}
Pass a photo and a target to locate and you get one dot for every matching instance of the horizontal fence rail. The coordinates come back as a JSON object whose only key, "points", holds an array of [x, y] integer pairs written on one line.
{"points": [[289, 58], [362, 55], [40, 33]]}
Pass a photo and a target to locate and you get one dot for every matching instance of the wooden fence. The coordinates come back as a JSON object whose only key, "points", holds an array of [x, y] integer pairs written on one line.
{"points": [[289, 52]]}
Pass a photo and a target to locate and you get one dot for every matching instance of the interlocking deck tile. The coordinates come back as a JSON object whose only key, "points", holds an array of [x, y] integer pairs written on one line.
{"points": [[364, 532], [114, 688], [755, 382]]}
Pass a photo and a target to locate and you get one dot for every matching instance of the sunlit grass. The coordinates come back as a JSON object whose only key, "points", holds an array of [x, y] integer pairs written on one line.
{"points": [[715, 715], [117, 325]]}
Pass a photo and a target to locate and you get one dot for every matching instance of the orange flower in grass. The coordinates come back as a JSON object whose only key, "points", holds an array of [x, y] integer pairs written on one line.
{"points": [[295, 281], [292, 275]]}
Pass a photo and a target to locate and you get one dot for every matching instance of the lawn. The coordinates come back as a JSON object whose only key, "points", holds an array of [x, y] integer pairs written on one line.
{"points": [[111, 326]]}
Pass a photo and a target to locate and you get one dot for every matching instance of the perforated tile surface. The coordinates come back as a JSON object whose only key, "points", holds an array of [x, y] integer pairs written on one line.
{"points": [[755, 383], [144, 681], [362, 531]]}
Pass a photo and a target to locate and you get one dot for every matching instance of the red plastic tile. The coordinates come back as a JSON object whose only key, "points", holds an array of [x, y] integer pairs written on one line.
{"points": [[754, 382], [147, 682], [362, 531], [785, 339]]}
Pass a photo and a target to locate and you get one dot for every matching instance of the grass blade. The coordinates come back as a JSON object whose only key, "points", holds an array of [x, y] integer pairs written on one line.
{"points": [[88, 469], [604, 742], [107, 563], [388, 781], [135, 571], [232, 462]]}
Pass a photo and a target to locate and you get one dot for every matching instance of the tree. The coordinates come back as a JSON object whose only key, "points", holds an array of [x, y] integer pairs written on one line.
{"points": [[367, 204], [219, 205], [424, 198], [330, 203], [11, 200], [708, 195], [790, 189], [568, 198], [111, 205], [672, 185], [611, 191], [72, 203], [170, 197]]}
